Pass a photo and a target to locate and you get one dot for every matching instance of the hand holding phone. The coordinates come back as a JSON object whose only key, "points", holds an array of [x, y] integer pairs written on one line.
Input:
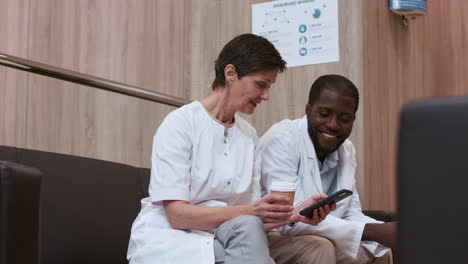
{"points": [[332, 199]]}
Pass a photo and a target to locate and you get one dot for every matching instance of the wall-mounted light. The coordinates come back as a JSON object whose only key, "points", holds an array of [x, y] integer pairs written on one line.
{"points": [[408, 8]]}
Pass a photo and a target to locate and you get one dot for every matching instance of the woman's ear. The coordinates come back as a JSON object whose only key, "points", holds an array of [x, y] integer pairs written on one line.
{"points": [[230, 73]]}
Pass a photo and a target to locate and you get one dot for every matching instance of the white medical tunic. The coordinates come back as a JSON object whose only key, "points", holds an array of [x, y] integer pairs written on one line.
{"points": [[193, 160], [288, 154]]}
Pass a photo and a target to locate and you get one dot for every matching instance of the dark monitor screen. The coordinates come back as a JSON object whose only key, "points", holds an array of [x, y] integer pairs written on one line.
{"points": [[433, 181]]}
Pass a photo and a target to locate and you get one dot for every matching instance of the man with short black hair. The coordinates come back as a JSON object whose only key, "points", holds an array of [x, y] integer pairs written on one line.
{"points": [[315, 154]]}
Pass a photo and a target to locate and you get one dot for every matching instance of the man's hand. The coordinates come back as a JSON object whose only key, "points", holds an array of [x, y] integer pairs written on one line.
{"points": [[384, 234], [318, 215], [272, 214]]}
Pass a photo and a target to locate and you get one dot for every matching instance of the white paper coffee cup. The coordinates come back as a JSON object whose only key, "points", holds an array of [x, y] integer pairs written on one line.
{"points": [[287, 189]]}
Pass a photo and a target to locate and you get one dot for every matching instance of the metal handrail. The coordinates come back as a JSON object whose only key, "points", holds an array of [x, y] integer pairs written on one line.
{"points": [[89, 80]]}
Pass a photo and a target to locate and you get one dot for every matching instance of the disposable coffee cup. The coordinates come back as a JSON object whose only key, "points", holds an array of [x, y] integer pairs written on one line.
{"points": [[287, 189]]}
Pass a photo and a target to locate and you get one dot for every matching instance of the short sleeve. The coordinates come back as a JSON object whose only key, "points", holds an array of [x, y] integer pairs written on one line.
{"points": [[171, 158]]}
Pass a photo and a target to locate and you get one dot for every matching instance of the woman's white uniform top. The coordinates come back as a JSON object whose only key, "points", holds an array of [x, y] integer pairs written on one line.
{"points": [[193, 160]]}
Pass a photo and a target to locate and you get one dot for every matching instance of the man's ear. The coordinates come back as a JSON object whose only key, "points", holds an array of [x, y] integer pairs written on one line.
{"points": [[308, 109], [230, 73]]}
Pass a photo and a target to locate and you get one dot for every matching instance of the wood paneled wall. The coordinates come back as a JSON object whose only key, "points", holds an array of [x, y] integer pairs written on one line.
{"points": [[165, 45], [142, 43], [427, 58], [215, 22], [13, 83], [449, 39], [170, 46]]}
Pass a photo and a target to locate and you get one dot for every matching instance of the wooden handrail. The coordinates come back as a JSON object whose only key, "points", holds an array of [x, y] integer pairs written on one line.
{"points": [[89, 80]]}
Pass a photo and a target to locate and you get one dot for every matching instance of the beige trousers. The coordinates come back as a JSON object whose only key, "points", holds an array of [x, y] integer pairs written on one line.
{"points": [[310, 249]]}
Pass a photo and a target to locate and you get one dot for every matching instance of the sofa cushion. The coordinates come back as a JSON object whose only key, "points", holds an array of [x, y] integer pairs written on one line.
{"points": [[87, 207]]}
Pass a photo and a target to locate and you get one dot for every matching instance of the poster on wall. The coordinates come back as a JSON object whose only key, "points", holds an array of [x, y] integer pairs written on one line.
{"points": [[304, 31]]}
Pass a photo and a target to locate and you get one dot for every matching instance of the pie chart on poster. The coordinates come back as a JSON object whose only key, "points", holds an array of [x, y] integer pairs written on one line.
{"points": [[317, 13]]}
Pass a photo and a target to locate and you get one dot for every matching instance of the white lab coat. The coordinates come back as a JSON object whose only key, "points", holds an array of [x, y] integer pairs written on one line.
{"points": [[192, 160], [289, 155]]}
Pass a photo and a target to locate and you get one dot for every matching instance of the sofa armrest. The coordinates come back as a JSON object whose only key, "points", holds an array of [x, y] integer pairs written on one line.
{"points": [[19, 213], [382, 215]]}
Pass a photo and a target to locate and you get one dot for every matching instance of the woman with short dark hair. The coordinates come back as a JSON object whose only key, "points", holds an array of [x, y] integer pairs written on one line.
{"points": [[204, 204]]}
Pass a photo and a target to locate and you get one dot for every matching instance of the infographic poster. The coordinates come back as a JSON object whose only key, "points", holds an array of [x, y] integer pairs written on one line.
{"points": [[304, 31]]}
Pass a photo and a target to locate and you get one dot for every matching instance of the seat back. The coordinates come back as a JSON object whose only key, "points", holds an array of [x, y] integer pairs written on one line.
{"points": [[19, 213], [87, 207], [433, 181]]}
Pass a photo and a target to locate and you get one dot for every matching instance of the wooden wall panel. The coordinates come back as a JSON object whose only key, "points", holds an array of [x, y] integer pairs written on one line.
{"points": [[141, 43], [215, 22], [13, 83], [80, 120], [397, 61], [449, 39], [170, 46], [428, 58], [136, 42]]}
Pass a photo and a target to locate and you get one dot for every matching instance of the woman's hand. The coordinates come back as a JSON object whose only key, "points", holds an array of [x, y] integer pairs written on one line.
{"points": [[318, 214], [273, 210]]}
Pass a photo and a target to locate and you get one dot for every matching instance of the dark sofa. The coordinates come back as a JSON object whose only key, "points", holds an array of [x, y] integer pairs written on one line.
{"points": [[63, 209]]}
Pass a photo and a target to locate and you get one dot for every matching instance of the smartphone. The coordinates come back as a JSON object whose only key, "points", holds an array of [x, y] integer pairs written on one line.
{"points": [[332, 199]]}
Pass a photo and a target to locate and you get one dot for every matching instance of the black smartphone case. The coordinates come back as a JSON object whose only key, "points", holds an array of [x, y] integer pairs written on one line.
{"points": [[334, 198]]}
